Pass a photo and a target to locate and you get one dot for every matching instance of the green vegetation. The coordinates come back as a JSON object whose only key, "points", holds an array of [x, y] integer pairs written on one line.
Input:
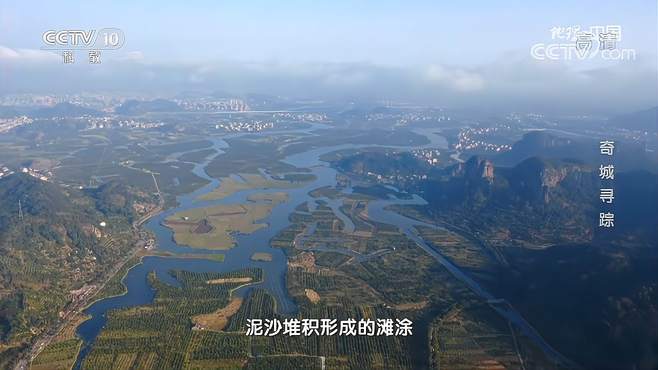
{"points": [[325, 191], [212, 227], [57, 356], [246, 181], [261, 256], [274, 198], [599, 295], [248, 155], [218, 257], [57, 247], [464, 252], [115, 286], [474, 337], [366, 135], [360, 352], [298, 177], [197, 157], [160, 335], [402, 280], [167, 149], [285, 362]]}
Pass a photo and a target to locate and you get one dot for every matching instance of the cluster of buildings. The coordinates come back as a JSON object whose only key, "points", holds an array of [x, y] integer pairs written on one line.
{"points": [[85, 292], [5, 171], [409, 118], [109, 122], [145, 241], [301, 117], [530, 118], [396, 180], [96, 101], [476, 139], [30, 100], [223, 105], [253, 126], [41, 175], [404, 119], [430, 156], [7, 124]]}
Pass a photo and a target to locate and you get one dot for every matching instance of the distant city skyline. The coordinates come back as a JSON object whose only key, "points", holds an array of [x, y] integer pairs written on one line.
{"points": [[451, 54]]}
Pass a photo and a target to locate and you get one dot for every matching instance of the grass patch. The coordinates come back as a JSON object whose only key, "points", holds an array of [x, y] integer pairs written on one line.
{"points": [[231, 185], [212, 227], [261, 256]]}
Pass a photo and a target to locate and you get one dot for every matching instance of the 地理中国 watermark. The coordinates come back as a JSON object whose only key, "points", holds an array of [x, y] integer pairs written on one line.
{"points": [[91, 41], [579, 43]]}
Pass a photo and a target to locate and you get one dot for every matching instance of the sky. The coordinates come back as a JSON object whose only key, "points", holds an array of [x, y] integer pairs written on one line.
{"points": [[462, 53]]}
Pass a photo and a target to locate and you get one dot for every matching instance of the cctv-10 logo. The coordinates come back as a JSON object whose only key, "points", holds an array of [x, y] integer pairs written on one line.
{"points": [[102, 39]]}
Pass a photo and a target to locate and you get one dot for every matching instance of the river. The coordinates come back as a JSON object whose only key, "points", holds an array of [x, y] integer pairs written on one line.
{"points": [[274, 272]]}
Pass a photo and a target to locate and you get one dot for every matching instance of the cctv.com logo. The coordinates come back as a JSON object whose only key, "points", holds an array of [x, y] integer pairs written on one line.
{"points": [[543, 51], [577, 43]]}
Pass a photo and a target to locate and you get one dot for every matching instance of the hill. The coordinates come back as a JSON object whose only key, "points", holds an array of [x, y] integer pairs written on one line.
{"points": [[543, 200], [588, 290], [65, 110], [539, 200], [65, 239], [545, 144], [645, 120], [384, 163], [137, 107]]}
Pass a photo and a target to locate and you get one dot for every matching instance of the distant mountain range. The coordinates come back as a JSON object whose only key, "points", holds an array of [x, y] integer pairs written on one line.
{"points": [[627, 156], [65, 110], [554, 200], [538, 200], [545, 190], [644, 120]]}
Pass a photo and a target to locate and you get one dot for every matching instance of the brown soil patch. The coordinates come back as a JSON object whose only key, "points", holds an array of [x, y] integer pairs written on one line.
{"points": [[411, 306], [305, 260], [217, 320], [230, 280], [490, 365], [312, 295]]}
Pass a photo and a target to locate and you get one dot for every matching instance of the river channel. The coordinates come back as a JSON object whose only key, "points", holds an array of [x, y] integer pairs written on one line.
{"points": [[139, 292]]}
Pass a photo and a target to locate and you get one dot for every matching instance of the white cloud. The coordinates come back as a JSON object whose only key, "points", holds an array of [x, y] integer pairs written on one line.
{"points": [[514, 82], [26, 55], [456, 78]]}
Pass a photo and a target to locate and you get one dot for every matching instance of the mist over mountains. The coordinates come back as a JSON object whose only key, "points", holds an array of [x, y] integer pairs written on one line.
{"points": [[513, 82]]}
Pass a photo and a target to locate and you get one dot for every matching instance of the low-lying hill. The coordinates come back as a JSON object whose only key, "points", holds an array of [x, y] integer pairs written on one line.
{"points": [[137, 107], [61, 239]]}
